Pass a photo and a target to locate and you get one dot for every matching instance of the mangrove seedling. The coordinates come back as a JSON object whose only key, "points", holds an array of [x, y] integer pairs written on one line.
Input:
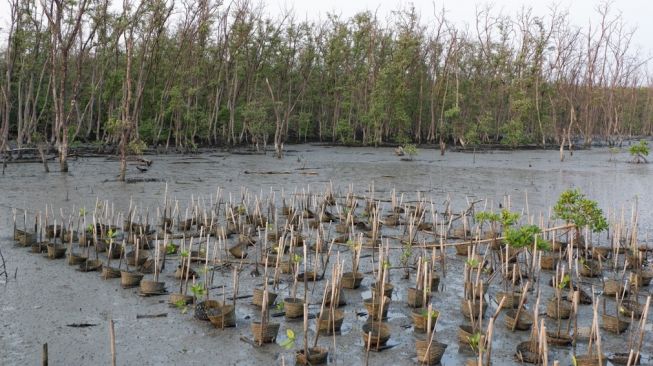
{"points": [[410, 150], [198, 289], [290, 341], [433, 313], [565, 281], [475, 342], [574, 208], [472, 262], [171, 248], [488, 217], [524, 237], [181, 305], [639, 152], [508, 218]]}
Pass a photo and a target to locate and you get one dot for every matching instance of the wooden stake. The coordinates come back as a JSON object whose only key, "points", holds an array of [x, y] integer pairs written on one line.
{"points": [[112, 336]]}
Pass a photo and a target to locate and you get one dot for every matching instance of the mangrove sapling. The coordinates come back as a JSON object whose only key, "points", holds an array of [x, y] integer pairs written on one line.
{"points": [[639, 152]]}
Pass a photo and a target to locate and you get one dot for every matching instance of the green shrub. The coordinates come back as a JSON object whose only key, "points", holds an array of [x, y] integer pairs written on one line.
{"points": [[575, 208], [639, 151]]}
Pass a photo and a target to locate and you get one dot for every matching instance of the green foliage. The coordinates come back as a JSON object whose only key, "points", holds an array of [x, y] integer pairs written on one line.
{"points": [[406, 254], [171, 248], [344, 132], [472, 262], [573, 207], [181, 305], [198, 289], [523, 237], [639, 151], [565, 282], [290, 340], [411, 150], [513, 134], [508, 218], [136, 147], [434, 313], [486, 216], [475, 341]]}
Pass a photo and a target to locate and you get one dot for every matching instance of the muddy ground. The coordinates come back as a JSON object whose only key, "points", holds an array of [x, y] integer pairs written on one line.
{"points": [[47, 296]]}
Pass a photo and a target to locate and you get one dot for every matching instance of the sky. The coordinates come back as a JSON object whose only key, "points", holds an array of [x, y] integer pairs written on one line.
{"points": [[636, 13]]}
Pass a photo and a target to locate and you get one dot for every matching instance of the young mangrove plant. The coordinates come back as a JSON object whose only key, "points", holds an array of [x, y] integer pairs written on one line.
{"points": [[639, 152]]}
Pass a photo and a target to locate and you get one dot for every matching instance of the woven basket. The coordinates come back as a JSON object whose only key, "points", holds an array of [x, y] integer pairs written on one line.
{"points": [[380, 334], [75, 259], [465, 333], [524, 323], [56, 251], [612, 287], [328, 325], [152, 287], [420, 319], [309, 276], [429, 354], [527, 352], [90, 265], [50, 231], [558, 339], [475, 310], [316, 356], [557, 310], [285, 266], [590, 360], [142, 257], [614, 324], [387, 289], [416, 297], [630, 308], [239, 251], [461, 249], [115, 252], [203, 308], [130, 279], [257, 297], [264, 333], [176, 298], [223, 316], [294, 307], [549, 262], [39, 247], [110, 272], [621, 358], [374, 308], [590, 269], [352, 280], [511, 299], [26, 239], [435, 282], [341, 299]]}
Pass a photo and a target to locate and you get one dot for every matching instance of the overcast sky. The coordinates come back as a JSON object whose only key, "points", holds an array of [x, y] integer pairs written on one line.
{"points": [[636, 13]]}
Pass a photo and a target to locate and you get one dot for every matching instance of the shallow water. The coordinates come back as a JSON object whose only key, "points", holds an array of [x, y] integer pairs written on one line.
{"points": [[48, 295]]}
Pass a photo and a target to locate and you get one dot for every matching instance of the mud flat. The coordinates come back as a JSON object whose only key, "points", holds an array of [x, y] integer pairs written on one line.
{"points": [[49, 299]]}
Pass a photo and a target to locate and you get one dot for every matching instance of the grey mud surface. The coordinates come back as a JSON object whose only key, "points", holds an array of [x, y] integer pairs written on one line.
{"points": [[47, 295]]}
